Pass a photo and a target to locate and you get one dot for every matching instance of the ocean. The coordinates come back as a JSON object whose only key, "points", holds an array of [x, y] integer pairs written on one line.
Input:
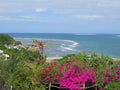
{"points": [[61, 44]]}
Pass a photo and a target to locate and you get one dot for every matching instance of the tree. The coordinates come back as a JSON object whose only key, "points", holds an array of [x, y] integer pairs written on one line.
{"points": [[6, 39]]}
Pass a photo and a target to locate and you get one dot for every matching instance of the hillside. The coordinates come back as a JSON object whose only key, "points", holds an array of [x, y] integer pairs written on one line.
{"points": [[6, 39]]}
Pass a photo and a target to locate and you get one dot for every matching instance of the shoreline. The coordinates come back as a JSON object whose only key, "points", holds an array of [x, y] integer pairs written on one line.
{"points": [[62, 47], [55, 58], [116, 59]]}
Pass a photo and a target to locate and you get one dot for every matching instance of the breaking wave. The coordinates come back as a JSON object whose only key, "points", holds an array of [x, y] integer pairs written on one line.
{"points": [[53, 46]]}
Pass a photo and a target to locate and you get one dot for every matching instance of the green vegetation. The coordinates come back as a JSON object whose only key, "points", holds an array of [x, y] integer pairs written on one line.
{"points": [[27, 70], [18, 68], [23, 74], [6, 39]]}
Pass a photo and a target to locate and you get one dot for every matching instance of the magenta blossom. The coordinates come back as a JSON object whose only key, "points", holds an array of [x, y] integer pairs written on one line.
{"points": [[76, 79]]}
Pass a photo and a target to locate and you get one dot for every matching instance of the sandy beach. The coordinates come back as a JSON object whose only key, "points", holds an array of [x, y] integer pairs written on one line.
{"points": [[116, 59], [52, 59]]}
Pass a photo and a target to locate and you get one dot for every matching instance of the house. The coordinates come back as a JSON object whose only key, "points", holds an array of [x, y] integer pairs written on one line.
{"points": [[20, 46], [1, 52], [6, 57]]}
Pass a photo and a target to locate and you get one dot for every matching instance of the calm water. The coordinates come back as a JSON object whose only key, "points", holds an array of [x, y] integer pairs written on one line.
{"points": [[63, 44]]}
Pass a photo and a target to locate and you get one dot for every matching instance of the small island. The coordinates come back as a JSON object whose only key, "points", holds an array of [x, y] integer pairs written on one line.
{"points": [[27, 69]]}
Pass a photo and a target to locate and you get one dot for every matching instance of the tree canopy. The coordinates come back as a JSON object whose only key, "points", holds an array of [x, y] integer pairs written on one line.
{"points": [[6, 39]]}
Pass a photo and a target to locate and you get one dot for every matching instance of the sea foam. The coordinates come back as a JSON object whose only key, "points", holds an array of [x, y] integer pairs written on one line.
{"points": [[53, 45]]}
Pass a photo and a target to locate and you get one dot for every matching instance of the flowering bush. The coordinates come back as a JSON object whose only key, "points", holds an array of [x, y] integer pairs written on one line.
{"points": [[51, 73], [71, 75], [111, 75], [76, 79], [39, 61], [76, 74]]}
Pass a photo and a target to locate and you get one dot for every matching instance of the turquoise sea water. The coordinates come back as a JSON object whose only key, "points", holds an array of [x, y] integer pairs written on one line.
{"points": [[63, 44]]}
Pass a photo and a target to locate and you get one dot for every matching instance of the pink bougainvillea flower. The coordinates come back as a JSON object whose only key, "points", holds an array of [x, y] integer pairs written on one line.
{"points": [[76, 82]]}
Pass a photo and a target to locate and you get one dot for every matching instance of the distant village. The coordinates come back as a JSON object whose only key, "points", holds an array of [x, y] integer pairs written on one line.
{"points": [[6, 57]]}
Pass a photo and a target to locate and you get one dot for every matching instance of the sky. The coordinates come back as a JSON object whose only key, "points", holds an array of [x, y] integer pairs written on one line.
{"points": [[60, 16]]}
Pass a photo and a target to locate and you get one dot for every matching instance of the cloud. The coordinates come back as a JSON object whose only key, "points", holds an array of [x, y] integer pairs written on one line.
{"points": [[5, 18], [40, 10], [18, 18], [9, 7], [80, 9], [88, 17], [56, 6], [4, 11], [109, 4], [25, 19]]}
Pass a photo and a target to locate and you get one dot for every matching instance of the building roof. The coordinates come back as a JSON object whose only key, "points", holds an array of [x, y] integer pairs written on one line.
{"points": [[1, 51], [6, 55]]}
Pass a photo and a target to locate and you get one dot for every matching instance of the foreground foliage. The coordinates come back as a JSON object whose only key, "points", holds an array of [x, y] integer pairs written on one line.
{"points": [[71, 72], [27, 70]]}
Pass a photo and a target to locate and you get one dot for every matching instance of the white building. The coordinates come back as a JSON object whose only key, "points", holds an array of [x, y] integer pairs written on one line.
{"points": [[5, 56], [1, 52]]}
